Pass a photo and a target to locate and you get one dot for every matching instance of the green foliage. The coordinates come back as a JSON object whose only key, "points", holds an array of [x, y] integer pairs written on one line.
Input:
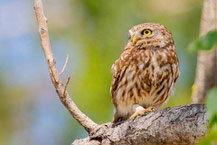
{"points": [[212, 108], [208, 140], [212, 116], [204, 43]]}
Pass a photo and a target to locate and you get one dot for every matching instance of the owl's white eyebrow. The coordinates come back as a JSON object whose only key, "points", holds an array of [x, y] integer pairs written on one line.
{"points": [[130, 32]]}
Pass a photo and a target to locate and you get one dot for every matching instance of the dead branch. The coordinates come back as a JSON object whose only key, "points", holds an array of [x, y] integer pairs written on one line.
{"points": [[206, 76], [66, 62], [182, 125], [86, 122], [67, 82]]}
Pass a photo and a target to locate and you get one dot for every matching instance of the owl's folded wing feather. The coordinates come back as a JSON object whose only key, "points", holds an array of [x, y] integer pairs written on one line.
{"points": [[118, 69]]}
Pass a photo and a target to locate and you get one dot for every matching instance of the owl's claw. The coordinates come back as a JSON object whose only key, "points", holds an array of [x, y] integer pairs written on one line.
{"points": [[151, 109], [140, 111]]}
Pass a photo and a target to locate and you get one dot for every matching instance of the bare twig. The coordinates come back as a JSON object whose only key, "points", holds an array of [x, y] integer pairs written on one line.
{"points": [[85, 121], [66, 62], [64, 92]]}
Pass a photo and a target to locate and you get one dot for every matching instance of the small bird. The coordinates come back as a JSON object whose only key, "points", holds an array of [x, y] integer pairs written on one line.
{"points": [[145, 73]]}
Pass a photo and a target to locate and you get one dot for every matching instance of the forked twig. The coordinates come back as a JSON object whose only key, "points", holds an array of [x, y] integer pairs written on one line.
{"points": [[84, 120]]}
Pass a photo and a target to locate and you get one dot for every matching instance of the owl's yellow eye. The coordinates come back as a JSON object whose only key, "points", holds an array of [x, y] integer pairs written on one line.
{"points": [[146, 32]]}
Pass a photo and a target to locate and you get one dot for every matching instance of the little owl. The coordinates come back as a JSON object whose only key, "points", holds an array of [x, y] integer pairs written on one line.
{"points": [[145, 73]]}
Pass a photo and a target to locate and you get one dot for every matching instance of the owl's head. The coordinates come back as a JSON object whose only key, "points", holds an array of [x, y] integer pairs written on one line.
{"points": [[150, 35]]}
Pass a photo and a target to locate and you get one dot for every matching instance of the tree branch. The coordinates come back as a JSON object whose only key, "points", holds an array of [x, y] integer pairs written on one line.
{"points": [[172, 126], [206, 77], [86, 122]]}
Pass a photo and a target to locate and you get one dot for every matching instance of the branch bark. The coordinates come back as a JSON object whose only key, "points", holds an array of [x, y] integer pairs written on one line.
{"points": [[85, 121], [206, 76], [171, 126]]}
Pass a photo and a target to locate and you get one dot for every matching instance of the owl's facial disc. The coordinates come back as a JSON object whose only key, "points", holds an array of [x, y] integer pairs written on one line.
{"points": [[150, 35]]}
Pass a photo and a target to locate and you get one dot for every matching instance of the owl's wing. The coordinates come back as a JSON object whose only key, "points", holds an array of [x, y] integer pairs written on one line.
{"points": [[115, 78], [176, 76], [177, 69], [175, 79], [118, 69]]}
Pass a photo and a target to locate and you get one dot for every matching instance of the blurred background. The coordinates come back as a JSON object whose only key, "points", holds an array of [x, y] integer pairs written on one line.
{"points": [[93, 33]]}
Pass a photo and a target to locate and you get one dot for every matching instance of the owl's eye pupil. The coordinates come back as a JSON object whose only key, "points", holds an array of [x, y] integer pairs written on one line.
{"points": [[146, 32]]}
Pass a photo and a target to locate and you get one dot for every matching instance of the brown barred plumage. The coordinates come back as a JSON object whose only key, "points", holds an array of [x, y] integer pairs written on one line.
{"points": [[145, 73]]}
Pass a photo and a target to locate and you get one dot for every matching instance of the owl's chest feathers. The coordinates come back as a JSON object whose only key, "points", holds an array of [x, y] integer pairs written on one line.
{"points": [[144, 75]]}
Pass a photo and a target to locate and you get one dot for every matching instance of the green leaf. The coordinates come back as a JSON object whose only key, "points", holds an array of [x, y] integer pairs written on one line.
{"points": [[204, 43], [212, 121], [212, 107], [210, 138]]}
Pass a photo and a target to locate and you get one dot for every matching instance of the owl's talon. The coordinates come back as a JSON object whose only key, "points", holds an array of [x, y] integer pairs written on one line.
{"points": [[151, 109], [140, 111]]}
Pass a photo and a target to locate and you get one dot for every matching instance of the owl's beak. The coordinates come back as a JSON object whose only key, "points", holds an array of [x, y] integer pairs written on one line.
{"points": [[134, 40]]}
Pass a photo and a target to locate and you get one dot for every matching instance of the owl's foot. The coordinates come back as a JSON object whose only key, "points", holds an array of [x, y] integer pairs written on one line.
{"points": [[140, 111], [151, 109]]}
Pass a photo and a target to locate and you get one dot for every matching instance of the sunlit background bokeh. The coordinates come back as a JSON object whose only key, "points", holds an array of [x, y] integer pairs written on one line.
{"points": [[93, 33]]}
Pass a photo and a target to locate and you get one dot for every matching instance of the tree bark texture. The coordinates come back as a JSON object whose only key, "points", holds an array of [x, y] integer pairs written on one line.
{"points": [[172, 126], [206, 73]]}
